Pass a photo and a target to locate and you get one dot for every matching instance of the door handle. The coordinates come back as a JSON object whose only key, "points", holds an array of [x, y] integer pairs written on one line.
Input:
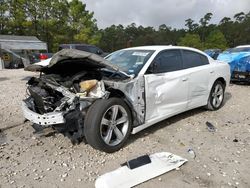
{"points": [[184, 79], [212, 71]]}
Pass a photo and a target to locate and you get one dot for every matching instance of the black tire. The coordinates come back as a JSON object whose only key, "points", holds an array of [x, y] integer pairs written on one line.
{"points": [[216, 97], [96, 132], [16, 64]]}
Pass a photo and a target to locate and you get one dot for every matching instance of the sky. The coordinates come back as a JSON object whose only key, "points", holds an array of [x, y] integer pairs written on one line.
{"points": [[173, 13]]}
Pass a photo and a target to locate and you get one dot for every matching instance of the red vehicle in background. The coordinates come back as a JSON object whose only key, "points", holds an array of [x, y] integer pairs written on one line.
{"points": [[37, 57]]}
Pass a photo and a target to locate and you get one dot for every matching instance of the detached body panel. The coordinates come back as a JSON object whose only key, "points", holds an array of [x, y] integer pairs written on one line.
{"points": [[125, 177]]}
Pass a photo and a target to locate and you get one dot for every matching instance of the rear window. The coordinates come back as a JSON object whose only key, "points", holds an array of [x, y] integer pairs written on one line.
{"points": [[193, 59]]}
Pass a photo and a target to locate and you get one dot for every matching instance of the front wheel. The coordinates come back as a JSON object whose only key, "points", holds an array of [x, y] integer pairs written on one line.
{"points": [[216, 96], [108, 124]]}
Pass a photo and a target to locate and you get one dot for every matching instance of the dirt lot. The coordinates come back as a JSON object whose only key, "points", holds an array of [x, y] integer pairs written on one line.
{"points": [[222, 157]]}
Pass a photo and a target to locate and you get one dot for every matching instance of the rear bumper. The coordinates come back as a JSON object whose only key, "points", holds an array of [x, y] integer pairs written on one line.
{"points": [[44, 120], [240, 76]]}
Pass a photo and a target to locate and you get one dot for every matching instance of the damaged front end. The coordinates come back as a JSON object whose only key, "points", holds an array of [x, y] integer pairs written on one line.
{"points": [[52, 102], [66, 88]]}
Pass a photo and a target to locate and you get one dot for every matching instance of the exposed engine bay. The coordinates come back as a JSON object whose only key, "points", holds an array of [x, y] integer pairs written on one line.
{"points": [[71, 95], [61, 95]]}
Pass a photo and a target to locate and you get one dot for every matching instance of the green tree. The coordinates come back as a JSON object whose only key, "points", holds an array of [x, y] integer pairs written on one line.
{"points": [[53, 21], [3, 16], [206, 19], [163, 35], [216, 39], [113, 38], [225, 20], [189, 23], [17, 17], [203, 30], [227, 27], [84, 27], [64, 21], [239, 17], [191, 40]]}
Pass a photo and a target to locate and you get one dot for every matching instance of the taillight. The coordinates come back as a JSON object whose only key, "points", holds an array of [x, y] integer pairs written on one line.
{"points": [[43, 56]]}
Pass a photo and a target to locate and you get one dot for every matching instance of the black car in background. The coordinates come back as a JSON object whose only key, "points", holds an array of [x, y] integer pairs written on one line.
{"points": [[84, 47]]}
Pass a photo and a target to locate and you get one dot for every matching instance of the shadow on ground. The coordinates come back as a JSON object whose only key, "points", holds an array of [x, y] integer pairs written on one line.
{"points": [[227, 97], [3, 78], [3, 137], [27, 78], [168, 122], [241, 83], [172, 120]]}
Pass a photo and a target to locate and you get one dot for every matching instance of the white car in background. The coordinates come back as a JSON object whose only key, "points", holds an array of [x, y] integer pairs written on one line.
{"points": [[43, 62], [105, 100]]}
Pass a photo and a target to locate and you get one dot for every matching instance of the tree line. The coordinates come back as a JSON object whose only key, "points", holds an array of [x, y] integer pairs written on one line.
{"points": [[52, 21], [62, 21], [229, 33]]}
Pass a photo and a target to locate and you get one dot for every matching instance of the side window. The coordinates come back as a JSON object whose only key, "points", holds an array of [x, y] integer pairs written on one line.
{"points": [[168, 61], [193, 59]]}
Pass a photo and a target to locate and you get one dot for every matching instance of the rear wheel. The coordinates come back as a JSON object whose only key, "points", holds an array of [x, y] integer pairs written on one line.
{"points": [[108, 124], [16, 64], [216, 96]]}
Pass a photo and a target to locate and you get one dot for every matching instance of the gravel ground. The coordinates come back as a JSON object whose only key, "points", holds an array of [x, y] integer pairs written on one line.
{"points": [[50, 160]]}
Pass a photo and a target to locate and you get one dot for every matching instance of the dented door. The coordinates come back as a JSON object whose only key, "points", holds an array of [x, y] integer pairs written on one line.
{"points": [[166, 94], [167, 87], [199, 74], [198, 91]]}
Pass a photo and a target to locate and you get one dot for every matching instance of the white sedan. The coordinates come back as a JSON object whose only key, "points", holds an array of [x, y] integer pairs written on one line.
{"points": [[105, 100]]}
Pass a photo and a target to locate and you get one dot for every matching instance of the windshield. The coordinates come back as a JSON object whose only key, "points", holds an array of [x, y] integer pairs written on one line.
{"points": [[130, 61]]}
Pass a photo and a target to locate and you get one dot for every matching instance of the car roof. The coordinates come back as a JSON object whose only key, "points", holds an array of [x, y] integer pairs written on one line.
{"points": [[243, 46], [165, 47]]}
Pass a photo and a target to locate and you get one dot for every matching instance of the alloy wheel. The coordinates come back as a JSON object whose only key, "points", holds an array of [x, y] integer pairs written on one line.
{"points": [[217, 95], [114, 125]]}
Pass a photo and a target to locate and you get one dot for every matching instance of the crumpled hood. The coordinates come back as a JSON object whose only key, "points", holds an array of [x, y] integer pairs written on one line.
{"points": [[238, 61], [93, 61]]}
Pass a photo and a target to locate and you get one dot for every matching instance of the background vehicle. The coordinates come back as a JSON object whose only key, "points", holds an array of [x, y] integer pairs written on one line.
{"points": [[239, 60], [84, 47], [214, 53], [37, 57], [12, 60], [84, 95]]}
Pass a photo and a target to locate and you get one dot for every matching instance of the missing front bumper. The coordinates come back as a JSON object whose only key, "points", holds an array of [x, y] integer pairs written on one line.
{"points": [[44, 120]]}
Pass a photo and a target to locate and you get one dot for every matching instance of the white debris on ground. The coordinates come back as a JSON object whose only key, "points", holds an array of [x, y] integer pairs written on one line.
{"points": [[145, 168], [222, 158]]}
